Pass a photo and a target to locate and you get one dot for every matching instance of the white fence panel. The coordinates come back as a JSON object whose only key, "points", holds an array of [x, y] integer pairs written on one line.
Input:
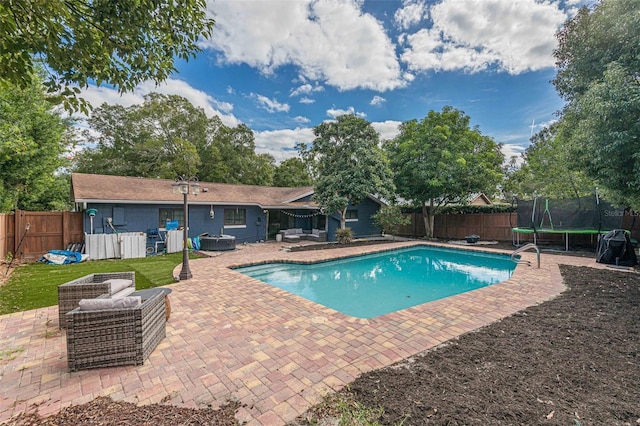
{"points": [[114, 246], [133, 245], [174, 241]]}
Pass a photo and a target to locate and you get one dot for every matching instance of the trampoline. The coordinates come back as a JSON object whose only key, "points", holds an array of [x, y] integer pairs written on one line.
{"points": [[572, 216]]}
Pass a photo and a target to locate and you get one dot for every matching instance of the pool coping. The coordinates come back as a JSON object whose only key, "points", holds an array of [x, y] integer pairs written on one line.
{"points": [[278, 354]]}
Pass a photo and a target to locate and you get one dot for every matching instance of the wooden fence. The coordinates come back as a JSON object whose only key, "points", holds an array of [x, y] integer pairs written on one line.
{"points": [[494, 227], [29, 235], [56, 230]]}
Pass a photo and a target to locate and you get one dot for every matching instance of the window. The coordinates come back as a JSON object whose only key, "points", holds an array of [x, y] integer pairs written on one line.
{"points": [[171, 214], [235, 217], [352, 215]]}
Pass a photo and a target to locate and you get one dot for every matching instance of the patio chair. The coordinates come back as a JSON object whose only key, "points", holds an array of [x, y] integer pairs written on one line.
{"points": [[89, 287], [107, 337]]}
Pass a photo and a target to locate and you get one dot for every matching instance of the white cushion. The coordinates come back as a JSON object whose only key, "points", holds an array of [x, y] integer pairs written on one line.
{"points": [[102, 304], [315, 231], [118, 284], [123, 293], [297, 230]]}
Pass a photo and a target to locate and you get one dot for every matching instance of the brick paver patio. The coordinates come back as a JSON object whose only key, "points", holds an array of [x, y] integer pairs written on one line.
{"points": [[233, 338]]}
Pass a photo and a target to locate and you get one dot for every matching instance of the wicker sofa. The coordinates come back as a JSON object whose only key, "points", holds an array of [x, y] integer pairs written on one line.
{"points": [[296, 234], [112, 337], [89, 287]]}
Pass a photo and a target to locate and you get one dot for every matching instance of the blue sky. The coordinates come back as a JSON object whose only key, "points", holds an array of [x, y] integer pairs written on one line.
{"points": [[283, 67]]}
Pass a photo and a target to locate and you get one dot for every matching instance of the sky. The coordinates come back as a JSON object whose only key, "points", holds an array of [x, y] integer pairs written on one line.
{"points": [[283, 67]]}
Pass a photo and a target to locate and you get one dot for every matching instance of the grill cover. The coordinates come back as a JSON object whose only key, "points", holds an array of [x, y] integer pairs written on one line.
{"points": [[614, 248]]}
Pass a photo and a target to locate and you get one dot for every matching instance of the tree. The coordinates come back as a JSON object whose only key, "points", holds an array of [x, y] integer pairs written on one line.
{"points": [[116, 42], [547, 169], [598, 65], [33, 141], [291, 172], [390, 219], [349, 164], [440, 160], [166, 137], [156, 139]]}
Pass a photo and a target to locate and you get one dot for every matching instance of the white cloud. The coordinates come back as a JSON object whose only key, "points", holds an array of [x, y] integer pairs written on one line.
{"points": [[333, 112], [515, 36], [301, 119], [328, 40], [270, 105], [281, 143], [377, 100], [306, 100], [306, 89], [387, 129], [409, 14], [96, 96], [512, 150]]}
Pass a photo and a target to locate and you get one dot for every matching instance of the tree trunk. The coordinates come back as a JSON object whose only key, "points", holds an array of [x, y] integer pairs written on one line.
{"points": [[428, 215], [343, 218]]}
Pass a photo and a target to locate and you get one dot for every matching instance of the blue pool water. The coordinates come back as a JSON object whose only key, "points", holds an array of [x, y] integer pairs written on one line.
{"points": [[376, 284]]}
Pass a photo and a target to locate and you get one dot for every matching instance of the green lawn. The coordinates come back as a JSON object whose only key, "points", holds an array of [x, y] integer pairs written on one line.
{"points": [[35, 285]]}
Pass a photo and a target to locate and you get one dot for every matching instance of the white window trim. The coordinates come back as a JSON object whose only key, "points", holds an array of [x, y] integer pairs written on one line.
{"points": [[235, 226], [351, 220]]}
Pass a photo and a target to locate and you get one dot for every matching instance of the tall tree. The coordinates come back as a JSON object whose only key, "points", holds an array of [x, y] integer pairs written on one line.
{"points": [[547, 169], [598, 62], [292, 172], [440, 160], [167, 136], [349, 164], [116, 42], [33, 142], [156, 139]]}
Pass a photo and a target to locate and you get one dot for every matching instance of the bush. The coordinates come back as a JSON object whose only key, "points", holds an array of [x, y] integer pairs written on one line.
{"points": [[344, 236]]}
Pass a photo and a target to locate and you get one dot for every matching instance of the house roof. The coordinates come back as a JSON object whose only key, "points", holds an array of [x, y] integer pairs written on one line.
{"points": [[480, 199], [89, 188]]}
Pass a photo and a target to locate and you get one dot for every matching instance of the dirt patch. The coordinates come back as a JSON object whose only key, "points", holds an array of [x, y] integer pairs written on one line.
{"points": [[573, 360]]}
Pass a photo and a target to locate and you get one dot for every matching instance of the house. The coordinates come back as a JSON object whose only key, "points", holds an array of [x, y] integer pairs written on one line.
{"points": [[250, 213]]}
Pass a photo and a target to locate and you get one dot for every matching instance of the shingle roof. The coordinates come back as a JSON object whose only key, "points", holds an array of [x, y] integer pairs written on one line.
{"points": [[122, 189]]}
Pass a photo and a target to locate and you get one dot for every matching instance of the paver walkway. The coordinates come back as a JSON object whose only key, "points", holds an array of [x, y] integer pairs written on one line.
{"points": [[233, 338]]}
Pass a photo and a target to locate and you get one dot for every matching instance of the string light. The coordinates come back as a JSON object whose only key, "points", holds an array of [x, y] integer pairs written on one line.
{"points": [[301, 216]]}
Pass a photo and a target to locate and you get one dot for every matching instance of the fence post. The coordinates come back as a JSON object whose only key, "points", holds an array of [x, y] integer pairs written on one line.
{"points": [[17, 225], [66, 232]]}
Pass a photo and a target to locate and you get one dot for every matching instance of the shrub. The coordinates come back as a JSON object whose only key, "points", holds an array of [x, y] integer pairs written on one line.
{"points": [[344, 236]]}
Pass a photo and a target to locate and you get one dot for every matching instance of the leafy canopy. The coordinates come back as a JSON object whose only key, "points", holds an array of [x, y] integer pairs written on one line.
{"points": [[348, 164], [116, 42], [33, 141], [291, 172], [167, 136], [440, 160], [598, 62], [547, 169]]}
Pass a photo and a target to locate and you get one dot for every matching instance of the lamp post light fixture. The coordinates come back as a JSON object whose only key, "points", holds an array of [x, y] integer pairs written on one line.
{"points": [[182, 186]]}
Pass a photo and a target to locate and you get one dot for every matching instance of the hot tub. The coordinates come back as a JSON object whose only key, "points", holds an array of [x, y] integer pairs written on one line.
{"points": [[217, 242]]}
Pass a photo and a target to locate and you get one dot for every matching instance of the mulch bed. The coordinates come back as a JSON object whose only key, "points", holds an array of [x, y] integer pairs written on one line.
{"points": [[332, 245], [573, 360]]}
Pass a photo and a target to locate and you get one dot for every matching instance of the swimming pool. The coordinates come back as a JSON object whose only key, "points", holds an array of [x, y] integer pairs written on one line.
{"points": [[376, 284]]}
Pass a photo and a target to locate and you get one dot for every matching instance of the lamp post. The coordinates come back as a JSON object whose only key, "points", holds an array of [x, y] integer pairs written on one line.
{"points": [[182, 186]]}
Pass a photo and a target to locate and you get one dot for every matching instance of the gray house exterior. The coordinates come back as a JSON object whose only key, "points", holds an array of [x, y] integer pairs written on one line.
{"points": [[250, 213]]}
